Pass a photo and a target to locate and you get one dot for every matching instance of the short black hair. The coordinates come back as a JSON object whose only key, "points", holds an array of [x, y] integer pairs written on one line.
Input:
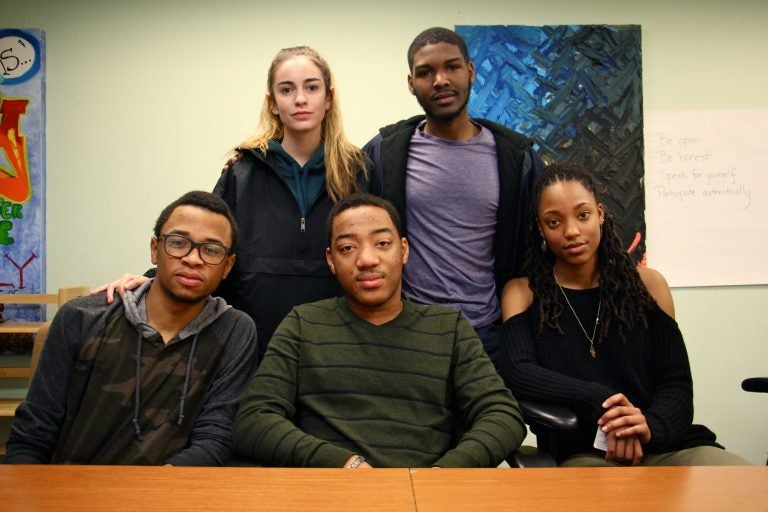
{"points": [[206, 201], [436, 35], [358, 199]]}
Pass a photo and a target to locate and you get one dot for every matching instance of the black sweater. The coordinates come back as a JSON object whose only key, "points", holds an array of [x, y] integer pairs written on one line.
{"points": [[649, 365]]}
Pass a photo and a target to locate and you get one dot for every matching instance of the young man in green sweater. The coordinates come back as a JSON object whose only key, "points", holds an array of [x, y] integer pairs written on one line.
{"points": [[371, 379]]}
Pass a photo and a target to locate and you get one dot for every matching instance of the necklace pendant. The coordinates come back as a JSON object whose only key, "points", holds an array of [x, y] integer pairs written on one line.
{"points": [[591, 340]]}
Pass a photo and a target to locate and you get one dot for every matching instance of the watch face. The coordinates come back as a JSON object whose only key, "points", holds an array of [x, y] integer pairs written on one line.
{"points": [[19, 56]]}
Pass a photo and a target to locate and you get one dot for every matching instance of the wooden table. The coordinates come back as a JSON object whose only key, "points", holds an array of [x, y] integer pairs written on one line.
{"points": [[116, 488], [146, 489], [668, 489]]}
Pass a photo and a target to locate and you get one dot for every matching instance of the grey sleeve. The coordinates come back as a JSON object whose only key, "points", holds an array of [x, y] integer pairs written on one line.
{"points": [[36, 427]]}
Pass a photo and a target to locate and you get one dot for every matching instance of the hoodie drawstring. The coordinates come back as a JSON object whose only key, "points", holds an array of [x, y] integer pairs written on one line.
{"points": [[186, 380], [137, 393]]}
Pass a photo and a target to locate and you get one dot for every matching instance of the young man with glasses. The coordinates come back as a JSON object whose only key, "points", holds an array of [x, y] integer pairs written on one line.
{"points": [[156, 378]]}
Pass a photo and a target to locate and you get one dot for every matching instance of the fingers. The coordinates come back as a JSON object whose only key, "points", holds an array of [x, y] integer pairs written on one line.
{"points": [[99, 290], [624, 450], [638, 452], [617, 414], [641, 431], [626, 421], [618, 449], [121, 285], [232, 161], [109, 288], [629, 451], [620, 417], [610, 442], [617, 399]]}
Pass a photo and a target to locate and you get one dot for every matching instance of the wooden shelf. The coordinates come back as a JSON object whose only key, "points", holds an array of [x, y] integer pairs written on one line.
{"points": [[15, 373], [20, 327], [29, 298], [8, 406]]}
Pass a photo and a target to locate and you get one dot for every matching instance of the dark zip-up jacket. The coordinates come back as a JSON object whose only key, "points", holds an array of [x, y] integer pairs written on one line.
{"points": [[519, 167], [281, 254]]}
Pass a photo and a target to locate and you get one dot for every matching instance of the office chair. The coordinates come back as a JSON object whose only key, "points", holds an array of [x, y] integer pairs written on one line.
{"points": [[544, 420], [756, 385]]}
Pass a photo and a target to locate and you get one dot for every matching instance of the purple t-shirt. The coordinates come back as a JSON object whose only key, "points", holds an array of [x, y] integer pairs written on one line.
{"points": [[451, 197]]}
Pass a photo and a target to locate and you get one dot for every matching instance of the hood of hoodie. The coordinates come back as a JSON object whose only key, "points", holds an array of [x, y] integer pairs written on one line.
{"points": [[305, 181], [136, 313]]}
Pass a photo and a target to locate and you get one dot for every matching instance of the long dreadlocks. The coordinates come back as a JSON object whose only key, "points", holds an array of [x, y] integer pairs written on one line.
{"points": [[623, 294]]}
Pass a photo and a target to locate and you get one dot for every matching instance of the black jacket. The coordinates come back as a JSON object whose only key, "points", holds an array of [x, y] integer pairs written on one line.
{"points": [[280, 256], [518, 165]]}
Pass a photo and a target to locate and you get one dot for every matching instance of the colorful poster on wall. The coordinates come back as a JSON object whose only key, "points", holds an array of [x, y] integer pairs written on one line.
{"points": [[577, 91], [22, 168]]}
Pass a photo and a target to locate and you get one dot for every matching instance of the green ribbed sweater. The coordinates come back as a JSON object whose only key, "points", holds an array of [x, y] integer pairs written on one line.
{"points": [[415, 392]]}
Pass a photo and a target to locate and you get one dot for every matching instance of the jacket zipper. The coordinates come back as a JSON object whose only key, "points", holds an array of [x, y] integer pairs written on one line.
{"points": [[303, 225]]}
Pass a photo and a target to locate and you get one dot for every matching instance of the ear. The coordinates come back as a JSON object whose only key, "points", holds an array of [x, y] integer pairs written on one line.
{"points": [[153, 248], [272, 104], [329, 260], [410, 84], [601, 212], [230, 262], [471, 69], [329, 99], [405, 248]]}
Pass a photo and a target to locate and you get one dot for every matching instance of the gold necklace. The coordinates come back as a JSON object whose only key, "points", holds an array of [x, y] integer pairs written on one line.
{"points": [[591, 340]]}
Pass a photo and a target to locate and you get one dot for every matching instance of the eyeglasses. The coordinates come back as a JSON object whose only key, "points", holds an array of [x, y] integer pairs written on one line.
{"points": [[178, 246]]}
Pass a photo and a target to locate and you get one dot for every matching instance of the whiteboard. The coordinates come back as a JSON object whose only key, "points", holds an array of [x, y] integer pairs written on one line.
{"points": [[706, 189]]}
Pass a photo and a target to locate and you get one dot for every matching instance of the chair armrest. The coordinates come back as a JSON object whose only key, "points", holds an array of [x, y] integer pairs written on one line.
{"points": [[530, 457], [548, 415], [756, 384]]}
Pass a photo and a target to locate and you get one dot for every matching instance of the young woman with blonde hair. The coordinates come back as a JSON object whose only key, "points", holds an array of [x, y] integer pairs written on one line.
{"points": [[280, 186]]}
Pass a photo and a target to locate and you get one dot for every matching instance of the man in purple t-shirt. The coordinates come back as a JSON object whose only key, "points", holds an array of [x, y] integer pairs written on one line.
{"points": [[461, 185]]}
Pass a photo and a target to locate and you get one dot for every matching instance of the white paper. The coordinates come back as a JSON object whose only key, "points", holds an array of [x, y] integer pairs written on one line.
{"points": [[706, 189]]}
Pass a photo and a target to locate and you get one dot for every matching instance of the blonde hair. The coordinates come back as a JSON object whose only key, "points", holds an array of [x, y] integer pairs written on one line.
{"points": [[342, 158]]}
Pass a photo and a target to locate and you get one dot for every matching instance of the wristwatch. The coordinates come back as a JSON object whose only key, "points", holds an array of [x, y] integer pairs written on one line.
{"points": [[359, 459]]}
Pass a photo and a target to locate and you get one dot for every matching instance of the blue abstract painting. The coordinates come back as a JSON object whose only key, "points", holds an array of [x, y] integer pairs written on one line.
{"points": [[577, 91]]}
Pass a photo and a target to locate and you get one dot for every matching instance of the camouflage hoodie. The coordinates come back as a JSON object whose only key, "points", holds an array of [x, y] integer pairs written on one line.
{"points": [[126, 397]]}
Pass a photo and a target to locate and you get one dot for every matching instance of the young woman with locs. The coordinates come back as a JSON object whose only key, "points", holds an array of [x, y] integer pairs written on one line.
{"points": [[587, 329]]}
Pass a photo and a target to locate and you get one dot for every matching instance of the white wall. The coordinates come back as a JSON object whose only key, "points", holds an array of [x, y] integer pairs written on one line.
{"points": [[146, 97]]}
